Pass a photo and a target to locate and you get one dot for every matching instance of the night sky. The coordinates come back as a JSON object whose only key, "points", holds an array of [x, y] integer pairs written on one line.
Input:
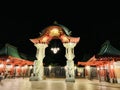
{"points": [[93, 32]]}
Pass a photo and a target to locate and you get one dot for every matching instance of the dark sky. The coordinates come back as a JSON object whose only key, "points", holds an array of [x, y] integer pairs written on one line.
{"points": [[93, 32]]}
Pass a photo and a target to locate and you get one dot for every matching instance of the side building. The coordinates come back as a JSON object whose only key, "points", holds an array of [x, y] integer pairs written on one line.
{"points": [[13, 62]]}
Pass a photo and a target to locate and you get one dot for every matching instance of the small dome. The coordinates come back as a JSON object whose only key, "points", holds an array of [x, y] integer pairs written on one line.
{"points": [[65, 29]]}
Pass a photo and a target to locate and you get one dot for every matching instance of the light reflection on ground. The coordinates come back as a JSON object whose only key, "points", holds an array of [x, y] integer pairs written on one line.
{"points": [[56, 84]]}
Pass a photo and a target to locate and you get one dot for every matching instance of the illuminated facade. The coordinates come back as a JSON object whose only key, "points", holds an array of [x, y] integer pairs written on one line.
{"points": [[55, 31], [11, 61], [107, 63]]}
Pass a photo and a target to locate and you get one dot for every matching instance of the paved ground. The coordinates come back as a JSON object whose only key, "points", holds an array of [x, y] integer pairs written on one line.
{"points": [[56, 84]]}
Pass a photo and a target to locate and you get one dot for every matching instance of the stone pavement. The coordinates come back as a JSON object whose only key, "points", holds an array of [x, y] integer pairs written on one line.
{"points": [[106, 84], [56, 84]]}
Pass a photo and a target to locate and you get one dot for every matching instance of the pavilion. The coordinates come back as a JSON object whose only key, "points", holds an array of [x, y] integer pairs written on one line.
{"points": [[107, 63], [12, 62]]}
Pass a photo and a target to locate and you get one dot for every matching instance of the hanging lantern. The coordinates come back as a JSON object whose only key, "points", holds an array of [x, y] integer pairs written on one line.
{"points": [[55, 49]]}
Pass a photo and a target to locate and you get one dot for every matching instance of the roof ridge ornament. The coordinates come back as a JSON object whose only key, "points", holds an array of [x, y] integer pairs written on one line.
{"points": [[55, 22]]}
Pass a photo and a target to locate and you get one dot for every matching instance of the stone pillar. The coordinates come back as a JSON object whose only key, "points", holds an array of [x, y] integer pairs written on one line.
{"points": [[38, 64], [70, 69]]}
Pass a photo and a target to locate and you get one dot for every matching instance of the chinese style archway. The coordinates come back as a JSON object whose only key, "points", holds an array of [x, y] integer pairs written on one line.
{"points": [[55, 31]]}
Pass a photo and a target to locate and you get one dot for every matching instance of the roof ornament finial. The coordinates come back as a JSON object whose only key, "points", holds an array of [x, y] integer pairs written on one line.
{"points": [[40, 33], [55, 22]]}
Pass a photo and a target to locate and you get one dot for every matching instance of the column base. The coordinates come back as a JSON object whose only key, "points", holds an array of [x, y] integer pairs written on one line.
{"points": [[70, 80], [35, 78]]}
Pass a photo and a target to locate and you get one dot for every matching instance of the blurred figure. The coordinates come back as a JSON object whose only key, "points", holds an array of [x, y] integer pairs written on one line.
{"points": [[6, 75], [1, 78]]}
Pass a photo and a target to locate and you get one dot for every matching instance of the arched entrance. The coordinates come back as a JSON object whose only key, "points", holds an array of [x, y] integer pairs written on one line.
{"points": [[54, 54], [55, 31]]}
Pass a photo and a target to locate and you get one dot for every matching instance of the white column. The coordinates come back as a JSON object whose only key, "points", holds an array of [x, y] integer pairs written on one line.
{"points": [[70, 73], [38, 64]]}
